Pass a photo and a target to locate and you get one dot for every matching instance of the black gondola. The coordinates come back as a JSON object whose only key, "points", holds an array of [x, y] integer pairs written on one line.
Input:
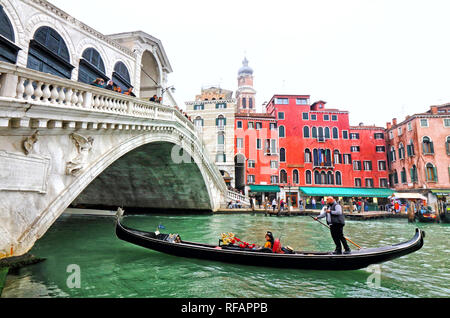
{"points": [[298, 260]]}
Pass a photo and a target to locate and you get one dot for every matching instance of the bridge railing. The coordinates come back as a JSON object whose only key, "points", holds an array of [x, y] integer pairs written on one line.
{"points": [[19, 84], [234, 196]]}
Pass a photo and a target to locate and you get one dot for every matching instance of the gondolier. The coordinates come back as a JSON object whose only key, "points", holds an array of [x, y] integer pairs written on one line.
{"points": [[336, 220]]}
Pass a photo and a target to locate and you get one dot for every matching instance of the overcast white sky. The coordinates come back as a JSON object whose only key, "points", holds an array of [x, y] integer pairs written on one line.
{"points": [[377, 59]]}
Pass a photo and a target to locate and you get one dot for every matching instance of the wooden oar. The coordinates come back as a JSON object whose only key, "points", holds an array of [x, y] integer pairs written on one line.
{"points": [[349, 240]]}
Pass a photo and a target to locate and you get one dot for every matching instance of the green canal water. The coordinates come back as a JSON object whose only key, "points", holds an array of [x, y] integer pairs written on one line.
{"points": [[109, 267]]}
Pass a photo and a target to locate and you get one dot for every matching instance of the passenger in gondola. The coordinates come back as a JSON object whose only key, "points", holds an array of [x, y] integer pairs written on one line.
{"points": [[269, 240]]}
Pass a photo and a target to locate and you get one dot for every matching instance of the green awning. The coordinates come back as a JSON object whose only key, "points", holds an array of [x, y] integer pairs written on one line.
{"points": [[441, 192], [264, 188], [347, 192]]}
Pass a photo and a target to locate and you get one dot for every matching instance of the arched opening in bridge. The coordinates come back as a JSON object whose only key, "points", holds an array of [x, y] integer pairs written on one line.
{"points": [[148, 180], [91, 67], [239, 166], [150, 76]]}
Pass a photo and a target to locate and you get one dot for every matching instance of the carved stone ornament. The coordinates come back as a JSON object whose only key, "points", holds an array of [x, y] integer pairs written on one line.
{"points": [[29, 142], [84, 146]]}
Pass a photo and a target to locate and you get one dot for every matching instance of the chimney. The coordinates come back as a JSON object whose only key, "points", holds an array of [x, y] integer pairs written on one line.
{"points": [[394, 121], [388, 126], [434, 110]]}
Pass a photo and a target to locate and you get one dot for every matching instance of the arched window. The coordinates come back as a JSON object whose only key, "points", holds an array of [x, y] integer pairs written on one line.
{"points": [[401, 151], [308, 177], [317, 179], [281, 132], [314, 132], [427, 146], [321, 134], [48, 53], [323, 178], [306, 132], [431, 173], [221, 121], [199, 122], [8, 50], [244, 102], [392, 156], [335, 133], [308, 158], [283, 177], [282, 155], [295, 177], [330, 178], [328, 158], [403, 176], [316, 157], [121, 76], [327, 133], [410, 148], [414, 176], [338, 178], [91, 67]]}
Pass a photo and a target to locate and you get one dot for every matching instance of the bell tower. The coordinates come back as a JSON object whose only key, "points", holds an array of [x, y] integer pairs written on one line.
{"points": [[245, 95]]}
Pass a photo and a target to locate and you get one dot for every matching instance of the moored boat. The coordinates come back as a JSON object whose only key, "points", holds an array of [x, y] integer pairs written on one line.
{"points": [[363, 258]]}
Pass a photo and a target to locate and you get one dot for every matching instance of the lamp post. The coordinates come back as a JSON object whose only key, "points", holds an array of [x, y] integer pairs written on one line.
{"points": [[171, 88]]}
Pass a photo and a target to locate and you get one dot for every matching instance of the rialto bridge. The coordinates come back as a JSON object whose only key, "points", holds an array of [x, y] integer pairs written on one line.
{"points": [[64, 142]]}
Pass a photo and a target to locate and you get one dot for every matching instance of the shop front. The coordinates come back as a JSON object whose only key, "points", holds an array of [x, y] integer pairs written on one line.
{"points": [[351, 199], [263, 193]]}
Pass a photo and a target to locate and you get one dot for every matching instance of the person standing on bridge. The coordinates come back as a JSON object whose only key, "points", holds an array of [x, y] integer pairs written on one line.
{"points": [[336, 221]]}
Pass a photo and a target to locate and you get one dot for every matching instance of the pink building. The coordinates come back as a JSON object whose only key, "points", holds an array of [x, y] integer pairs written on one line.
{"points": [[419, 153]]}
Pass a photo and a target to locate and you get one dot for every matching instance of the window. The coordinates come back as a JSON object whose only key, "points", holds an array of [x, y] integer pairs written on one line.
{"points": [[369, 183], [347, 159], [314, 132], [327, 133], [431, 173], [306, 132], [424, 123], [48, 53], [337, 157], [221, 106], [345, 134], [330, 178], [409, 126], [220, 158], [317, 179], [244, 103], [282, 155], [308, 177], [91, 67], [273, 146], [250, 179], [334, 117], [382, 166], [239, 143], [281, 116], [251, 164], [302, 101], [427, 146], [221, 139], [403, 176], [395, 177], [383, 183], [358, 183], [282, 101], [283, 177], [354, 136], [414, 176], [273, 164], [250, 103], [251, 125], [357, 165], [282, 132], [239, 124], [258, 126], [401, 151], [379, 136], [199, 107], [258, 144], [295, 177], [335, 133], [198, 122], [305, 116], [368, 165], [308, 158], [221, 121], [121, 76], [355, 149], [313, 117], [392, 155], [447, 145], [410, 149], [391, 135], [274, 179], [446, 122], [273, 126], [399, 131], [326, 117], [338, 178], [380, 148]]}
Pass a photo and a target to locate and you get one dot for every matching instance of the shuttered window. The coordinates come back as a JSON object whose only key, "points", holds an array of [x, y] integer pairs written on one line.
{"points": [[8, 50], [121, 76], [91, 67]]}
